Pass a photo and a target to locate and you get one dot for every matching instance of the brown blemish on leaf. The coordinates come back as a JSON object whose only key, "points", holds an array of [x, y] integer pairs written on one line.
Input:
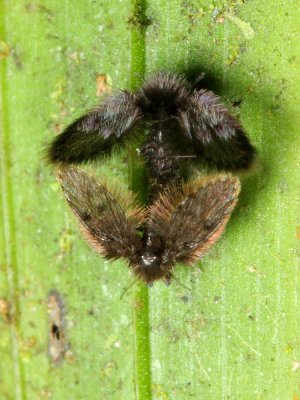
{"points": [[4, 50], [138, 305], [103, 84], [5, 309], [56, 328], [30, 342]]}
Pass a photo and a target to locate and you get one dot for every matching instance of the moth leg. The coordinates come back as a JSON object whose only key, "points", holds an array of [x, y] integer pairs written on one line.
{"points": [[167, 279]]}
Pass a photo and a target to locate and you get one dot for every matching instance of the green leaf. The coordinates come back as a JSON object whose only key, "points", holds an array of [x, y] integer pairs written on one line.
{"points": [[235, 333]]}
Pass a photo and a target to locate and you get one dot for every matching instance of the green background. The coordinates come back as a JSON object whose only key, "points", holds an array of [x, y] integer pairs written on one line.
{"points": [[235, 334]]}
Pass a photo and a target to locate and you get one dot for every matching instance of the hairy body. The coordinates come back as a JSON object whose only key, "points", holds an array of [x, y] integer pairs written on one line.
{"points": [[179, 128]]}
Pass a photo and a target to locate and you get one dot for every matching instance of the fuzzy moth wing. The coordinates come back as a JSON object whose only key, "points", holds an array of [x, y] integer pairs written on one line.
{"points": [[96, 133], [218, 138], [106, 225], [192, 218]]}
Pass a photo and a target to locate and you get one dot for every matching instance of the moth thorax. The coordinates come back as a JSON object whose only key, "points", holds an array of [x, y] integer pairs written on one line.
{"points": [[161, 163]]}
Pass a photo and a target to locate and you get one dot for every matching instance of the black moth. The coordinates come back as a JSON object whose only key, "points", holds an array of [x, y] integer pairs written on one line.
{"points": [[179, 226], [183, 127]]}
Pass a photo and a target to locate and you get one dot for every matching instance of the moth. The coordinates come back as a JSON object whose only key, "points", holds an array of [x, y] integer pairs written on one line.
{"points": [[181, 225], [179, 128]]}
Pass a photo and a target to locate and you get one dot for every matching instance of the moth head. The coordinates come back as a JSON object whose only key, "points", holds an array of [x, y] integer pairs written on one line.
{"points": [[149, 260], [150, 266]]}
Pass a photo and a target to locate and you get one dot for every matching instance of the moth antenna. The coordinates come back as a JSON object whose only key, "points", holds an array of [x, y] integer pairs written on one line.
{"points": [[130, 286], [181, 284], [184, 156], [198, 79]]}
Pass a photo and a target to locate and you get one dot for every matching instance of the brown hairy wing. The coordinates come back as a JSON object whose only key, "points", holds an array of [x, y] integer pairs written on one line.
{"points": [[105, 224], [97, 133], [192, 218], [217, 136]]}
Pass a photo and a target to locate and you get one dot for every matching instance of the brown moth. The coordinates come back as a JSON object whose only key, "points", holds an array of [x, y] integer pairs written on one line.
{"points": [[181, 225]]}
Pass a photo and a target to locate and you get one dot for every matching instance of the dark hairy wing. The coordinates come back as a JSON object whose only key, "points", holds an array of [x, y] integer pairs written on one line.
{"points": [[217, 136], [95, 134], [192, 218], [104, 222]]}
